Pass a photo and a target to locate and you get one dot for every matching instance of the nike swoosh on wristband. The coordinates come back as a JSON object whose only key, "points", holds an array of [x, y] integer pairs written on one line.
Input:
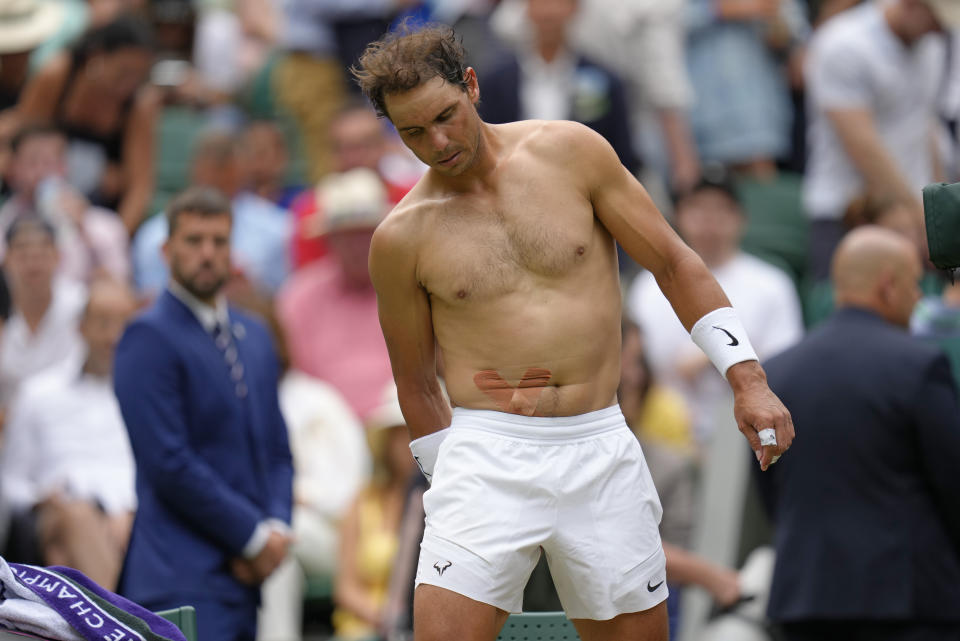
{"points": [[733, 339]]}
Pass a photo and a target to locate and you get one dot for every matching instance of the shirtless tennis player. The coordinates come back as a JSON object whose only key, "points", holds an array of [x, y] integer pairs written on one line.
{"points": [[503, 258]]}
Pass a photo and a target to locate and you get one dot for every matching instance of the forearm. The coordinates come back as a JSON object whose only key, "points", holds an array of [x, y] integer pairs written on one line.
{"points": [[684, 162], [134, 205], [873, 161], [425, 408], [692, 290], [686, 568]]}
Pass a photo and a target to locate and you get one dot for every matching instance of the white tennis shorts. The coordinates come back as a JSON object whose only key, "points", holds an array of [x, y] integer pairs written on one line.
{"points": [[577, 487]]}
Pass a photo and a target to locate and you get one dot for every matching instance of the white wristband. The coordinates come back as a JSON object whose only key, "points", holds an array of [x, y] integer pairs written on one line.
{"points": [[425, 450], [721, 336]]}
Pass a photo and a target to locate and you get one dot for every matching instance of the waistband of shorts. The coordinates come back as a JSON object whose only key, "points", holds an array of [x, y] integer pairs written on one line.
{"points": [[540, 428]]}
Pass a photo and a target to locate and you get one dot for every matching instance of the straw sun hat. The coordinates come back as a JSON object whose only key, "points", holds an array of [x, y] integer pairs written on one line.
{"points": [[25, 24]]}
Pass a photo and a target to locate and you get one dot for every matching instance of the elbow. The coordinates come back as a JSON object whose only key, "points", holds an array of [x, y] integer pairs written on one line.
{"points": [[679, 268]]}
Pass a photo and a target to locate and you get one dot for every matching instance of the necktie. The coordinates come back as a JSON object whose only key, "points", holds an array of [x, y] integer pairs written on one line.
{"points": [[231, 357]]}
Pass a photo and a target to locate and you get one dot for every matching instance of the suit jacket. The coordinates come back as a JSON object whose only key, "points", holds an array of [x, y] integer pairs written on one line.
{"points": [[210, 465], [599, 102], [867, 500]]}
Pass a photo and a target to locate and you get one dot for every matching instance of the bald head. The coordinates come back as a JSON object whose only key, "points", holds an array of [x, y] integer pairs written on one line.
{"points": [[877, 269]]}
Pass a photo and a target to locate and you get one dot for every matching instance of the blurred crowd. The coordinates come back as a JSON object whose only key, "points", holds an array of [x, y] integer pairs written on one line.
{"points": [[765, 130]]}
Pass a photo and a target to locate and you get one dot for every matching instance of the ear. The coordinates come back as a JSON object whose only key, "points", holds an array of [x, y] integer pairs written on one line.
{"points": [[165, 248], [473, 87]]}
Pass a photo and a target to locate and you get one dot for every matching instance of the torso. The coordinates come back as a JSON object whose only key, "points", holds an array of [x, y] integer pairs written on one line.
{"points": [[522, 281]]}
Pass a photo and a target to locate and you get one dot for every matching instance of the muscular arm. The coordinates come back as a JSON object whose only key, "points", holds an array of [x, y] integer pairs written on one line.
{"points": [[625, 209], [407, 324], [623, 206]]}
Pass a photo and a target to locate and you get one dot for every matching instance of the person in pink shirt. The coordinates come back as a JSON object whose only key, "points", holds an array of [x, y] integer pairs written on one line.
{"points": [[328, 308]]}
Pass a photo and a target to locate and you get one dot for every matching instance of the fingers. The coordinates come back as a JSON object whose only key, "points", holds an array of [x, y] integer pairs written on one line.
{"points": [[783, 433]]}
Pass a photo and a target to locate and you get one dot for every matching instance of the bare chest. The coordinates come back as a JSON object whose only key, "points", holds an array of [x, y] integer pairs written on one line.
{"points": [[481, 248]]}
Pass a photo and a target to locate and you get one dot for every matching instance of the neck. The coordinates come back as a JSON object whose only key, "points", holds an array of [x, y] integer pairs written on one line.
{"points": [[719, 258], [97, 367], [549, 50], [268, 189], [206, 300], [34, 307], [893, 16], [479, 176]]}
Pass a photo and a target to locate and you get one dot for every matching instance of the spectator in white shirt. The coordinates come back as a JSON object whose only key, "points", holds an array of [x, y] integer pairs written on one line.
{"points": [[67, 470], [874, 75], [711, 220], [42, 332]]}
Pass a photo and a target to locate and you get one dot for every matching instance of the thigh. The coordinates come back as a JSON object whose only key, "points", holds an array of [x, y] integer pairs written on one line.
{"points": [[648, 625], [441, 615]]}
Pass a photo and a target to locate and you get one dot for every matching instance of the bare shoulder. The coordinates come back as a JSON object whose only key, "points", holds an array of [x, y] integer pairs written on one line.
{"points": [[567, 143], [400, 232]]}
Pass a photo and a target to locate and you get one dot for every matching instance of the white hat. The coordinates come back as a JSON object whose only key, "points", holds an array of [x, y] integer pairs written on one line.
{"points": [[26, 24], [355, 199], [947, 12], [388, 413]]}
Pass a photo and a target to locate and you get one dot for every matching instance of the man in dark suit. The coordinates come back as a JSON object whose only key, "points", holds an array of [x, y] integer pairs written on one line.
{"points": [[867, 505], [550, 81], [197, 385]]}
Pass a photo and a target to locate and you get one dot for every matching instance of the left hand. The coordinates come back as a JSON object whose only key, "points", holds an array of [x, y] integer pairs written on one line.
{"points": [[755, 408]]}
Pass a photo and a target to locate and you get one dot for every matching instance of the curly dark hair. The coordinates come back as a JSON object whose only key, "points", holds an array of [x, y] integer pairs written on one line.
{"points": [[406, 58]]}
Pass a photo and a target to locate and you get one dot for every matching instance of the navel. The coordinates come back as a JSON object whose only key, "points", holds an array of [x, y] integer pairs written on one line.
{"points": [[461, 294], [580, 250]]}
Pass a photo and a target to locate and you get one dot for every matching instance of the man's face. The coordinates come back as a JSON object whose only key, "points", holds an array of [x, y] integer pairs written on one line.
{"points": [[104, 320], [439, 123], [711, 223], [265, 152], [358, 140], [31, 261], [551, 17], [37, 157], [198, 252]]}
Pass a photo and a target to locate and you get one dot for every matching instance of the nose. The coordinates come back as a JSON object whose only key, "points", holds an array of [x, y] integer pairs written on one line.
{"points": [[439, 139]]}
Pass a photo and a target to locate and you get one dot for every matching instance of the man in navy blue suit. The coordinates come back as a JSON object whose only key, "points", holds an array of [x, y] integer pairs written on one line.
{"points": [[867, 505], [197, 385]]}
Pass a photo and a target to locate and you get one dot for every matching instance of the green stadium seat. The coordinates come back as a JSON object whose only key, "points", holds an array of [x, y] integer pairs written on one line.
{"points": [[176, 132], [538, 626], [185, 618], [319, 587], [777, 229]]}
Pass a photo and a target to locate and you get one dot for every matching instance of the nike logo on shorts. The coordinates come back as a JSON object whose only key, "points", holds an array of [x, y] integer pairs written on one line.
{"points": [[653, 588]]}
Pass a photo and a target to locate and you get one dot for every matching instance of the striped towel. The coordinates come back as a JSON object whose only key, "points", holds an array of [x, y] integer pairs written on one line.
{"points": [[62, 604]]}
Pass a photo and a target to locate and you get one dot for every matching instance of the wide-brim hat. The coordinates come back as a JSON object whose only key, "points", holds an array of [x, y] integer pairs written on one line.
{"points": [[355, 199], [947, 12], [26, 24]]}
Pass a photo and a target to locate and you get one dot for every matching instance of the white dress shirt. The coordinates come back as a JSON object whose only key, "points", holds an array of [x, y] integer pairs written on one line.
{"points": [[56, 341], [65, 434]]}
